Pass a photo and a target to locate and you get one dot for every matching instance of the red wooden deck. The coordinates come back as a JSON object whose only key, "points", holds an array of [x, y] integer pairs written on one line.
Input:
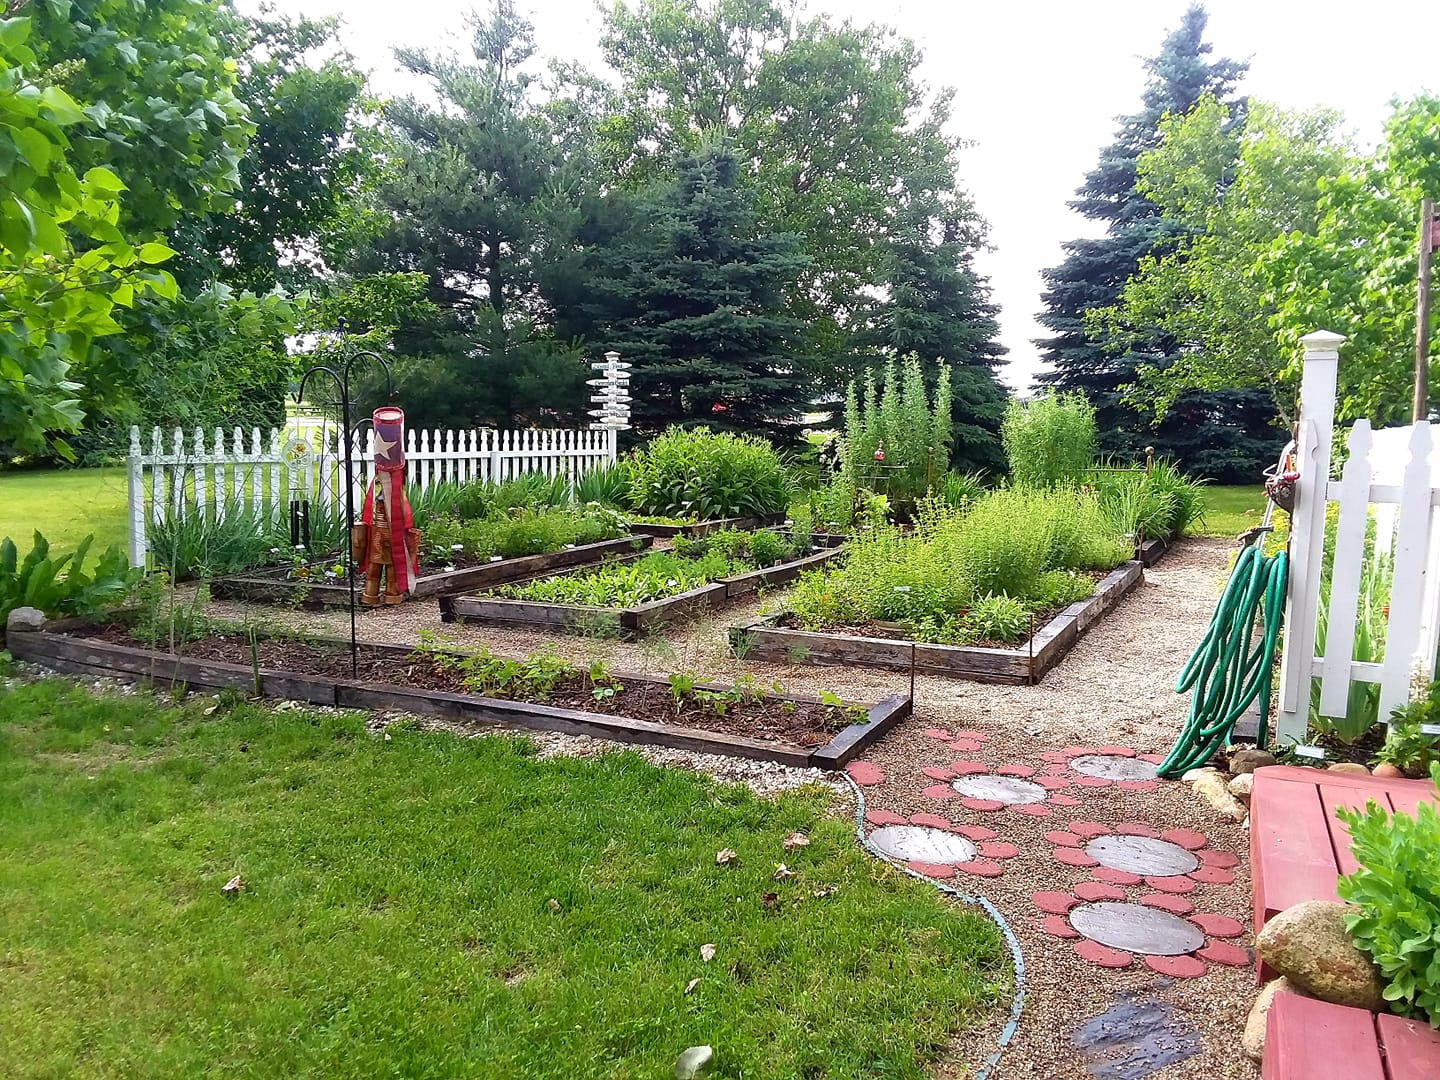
{"points": [[1307, 1039]]}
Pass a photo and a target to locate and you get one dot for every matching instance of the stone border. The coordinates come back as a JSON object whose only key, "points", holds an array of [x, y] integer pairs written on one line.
{"points": [[31, 638], [318, 595], [764, 639]]}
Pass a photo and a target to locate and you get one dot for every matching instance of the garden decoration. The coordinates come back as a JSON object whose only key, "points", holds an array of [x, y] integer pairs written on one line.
{"points": [[385, 543]]}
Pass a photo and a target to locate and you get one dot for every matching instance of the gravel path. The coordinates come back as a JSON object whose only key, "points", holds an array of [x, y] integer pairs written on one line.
{"points": [[1115, 687]]}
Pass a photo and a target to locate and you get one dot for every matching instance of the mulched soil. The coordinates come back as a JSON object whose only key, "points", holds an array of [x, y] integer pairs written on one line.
{"points": [[1362, 750], [807, 724]]}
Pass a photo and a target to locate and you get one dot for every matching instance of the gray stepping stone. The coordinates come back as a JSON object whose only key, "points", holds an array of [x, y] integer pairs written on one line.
{"points": [[1137, 1037], [916, 843], [1137, 928], [1142, 855], [1114, 767], [1002, 789]]}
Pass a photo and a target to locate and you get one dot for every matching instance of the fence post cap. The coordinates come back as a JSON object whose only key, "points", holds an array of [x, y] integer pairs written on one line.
{"points": [[1322, 341]]}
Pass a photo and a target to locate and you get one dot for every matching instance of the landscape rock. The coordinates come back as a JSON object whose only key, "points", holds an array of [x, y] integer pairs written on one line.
{"points": [[1192, 775], [1388, 771], [1253, 1041], [1309, 945], [1213, 787], [693, 1062], [1348, 766], [25, 619], [1250, 759], [1242, 786]]}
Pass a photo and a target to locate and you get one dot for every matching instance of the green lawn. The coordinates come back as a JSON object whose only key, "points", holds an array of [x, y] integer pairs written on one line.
{"points": [[1229, 511], [65, 505], [433, 906]]}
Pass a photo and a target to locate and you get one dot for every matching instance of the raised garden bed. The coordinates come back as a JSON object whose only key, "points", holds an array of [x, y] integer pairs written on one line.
{"points": [[793, 729], [277, 587], [641, 618], [765, 639], [704, 528]]}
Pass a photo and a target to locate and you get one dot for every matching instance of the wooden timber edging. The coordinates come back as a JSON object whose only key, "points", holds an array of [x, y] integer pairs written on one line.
{"points": [[764, 639], [32, 639], [630, 621], [316, 595], [1151, 551], [704, 528]]}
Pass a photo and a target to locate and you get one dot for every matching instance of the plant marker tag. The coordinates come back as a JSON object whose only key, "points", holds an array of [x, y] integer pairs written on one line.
{"points": [[1430, 729], [1310, 752]]}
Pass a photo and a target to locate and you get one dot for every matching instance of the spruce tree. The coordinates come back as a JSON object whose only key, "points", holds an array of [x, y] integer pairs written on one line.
{"points": [[1226, 435]]}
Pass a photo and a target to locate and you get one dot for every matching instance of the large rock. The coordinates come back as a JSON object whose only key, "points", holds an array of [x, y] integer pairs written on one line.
{"points": [[1213, 787], [1250, 759], [1308, 944], [1387, 771], [1350, 767], [1253, 1041], [1242, 786]]}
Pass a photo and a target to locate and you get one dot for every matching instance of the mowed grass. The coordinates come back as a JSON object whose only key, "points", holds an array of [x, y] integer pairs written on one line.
{"points": [[426, 905], [65, 505], [1229, 511]]}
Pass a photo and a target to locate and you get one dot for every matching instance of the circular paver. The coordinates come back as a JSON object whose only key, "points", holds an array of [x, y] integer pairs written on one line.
{"points": [[1113, 767], [1010, 790], [1142, 855], [916, 843], [1137, 928]]}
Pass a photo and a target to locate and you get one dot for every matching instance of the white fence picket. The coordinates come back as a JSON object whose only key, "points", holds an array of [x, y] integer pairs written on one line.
{"points": [[1407, 593], [1345, 573]]}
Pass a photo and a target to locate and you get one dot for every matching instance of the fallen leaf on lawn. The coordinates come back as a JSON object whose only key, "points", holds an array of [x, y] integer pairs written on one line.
{"points": [[211, 709], [796, 839], [691, 985], [769, 900], [707, 952], [725, 856], [782, 872], [828, 890], [553, 904], [233, 886]]}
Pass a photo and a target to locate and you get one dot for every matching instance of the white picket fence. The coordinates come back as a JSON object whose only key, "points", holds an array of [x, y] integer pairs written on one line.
{"points": [[1400, 499], [187, 474]]}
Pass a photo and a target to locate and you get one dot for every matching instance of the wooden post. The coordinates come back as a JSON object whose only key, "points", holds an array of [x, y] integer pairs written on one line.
{"points": [[1422, 312]]}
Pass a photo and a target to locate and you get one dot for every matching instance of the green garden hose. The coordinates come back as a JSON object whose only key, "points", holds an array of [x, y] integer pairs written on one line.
{"points": [[1231, 668]]}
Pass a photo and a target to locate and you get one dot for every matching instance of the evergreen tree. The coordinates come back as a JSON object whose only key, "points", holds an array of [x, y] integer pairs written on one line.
{"points": [[1232, 427], [694, 295]]}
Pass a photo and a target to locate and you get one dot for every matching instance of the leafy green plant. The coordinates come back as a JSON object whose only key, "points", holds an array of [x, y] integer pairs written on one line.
{"points": [[998, 618], [682, 686], [905, 425], [607, 486], [1407, 747], [1049, 439], [1398, 923], [694, 471], [61, 586]]}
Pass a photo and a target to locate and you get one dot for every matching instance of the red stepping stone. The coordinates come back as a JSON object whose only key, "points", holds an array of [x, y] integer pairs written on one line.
{"points": [[1116, 877], [1099, 890], [1222, 952], [1176, 905], [1186, 838], [1054, 756], [1218, 858], [1116, 751], [983, 805], [965, 746], [980, 868], [1212, 875], [1135, 828], [883, 817], [1103, 955], [865, 774], [939, 792], [976, 832], [1061, 838], [1052, 783], [1077, 751], [998, 849], [933, 821], [1073, 857], [1179, 884], [1177, 967], [1015, 770], [1218, 925], [1061, 799], [1055, 903], [1031, 809], [938, 772], [935, 870], [1056, 769], [1089, 829], [937, 733], [971, 734], [1155, 758], [1059, 926], [1137, 785], [1093, 781], [968, 768]]}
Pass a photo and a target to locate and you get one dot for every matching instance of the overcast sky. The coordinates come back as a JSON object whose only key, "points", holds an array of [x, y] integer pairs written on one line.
{"points": [[1039, 84]]}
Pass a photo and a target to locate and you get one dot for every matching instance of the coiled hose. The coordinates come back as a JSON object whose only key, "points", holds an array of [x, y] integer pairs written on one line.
{"points": [[1231, 668]]}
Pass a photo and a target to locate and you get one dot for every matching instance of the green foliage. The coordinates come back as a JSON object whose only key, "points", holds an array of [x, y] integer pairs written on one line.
{"points": [[1362, 709], [1407, 747], [61, 586], [1159, 504], [998, 618], [608, 486], [704, 474], [1398, 924], [1049, 439], [523, 532], [236, 540], [902, 422]]}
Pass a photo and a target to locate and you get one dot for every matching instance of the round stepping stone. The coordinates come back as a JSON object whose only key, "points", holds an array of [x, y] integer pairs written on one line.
{"points": [[981, 868], [934, 870], [1102, 955], [1218, 925], [1222, 952], [965, 747], [1136, 928], [1061, 799], [1222, 859], [1137, 785], [865, 773], [1212, 875], [1111, 750], [934, 821], [1061, 838], [967, 768], [1032, 810], [1057, 769], [937, 772], [977, 832], [1135, 828], [1140, 854], [883, 817], [1089, 829], [982, 805], [1171, 884], [1052, 783], [1059, 926], [940, 792], [1186, 838], [1010, 790], [918, 844], [1056, 903], [1054, 756], [1156, 758], [971, 734], [1015, 770], [1093, 781], [1099, 890], [1077, 751], [1177, 967], [998, 849], [1176, 905], [1073, 857], [937, 733], [1116, 877], [1113, 767]]}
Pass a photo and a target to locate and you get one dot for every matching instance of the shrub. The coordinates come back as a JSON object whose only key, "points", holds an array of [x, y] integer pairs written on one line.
{"points": [[38, 581], [1398, 924], [998, 618], [1050, 439], [607, 486], [914, 431], [522, 533], [1407, 747], [1160, 503], [697, 472]]}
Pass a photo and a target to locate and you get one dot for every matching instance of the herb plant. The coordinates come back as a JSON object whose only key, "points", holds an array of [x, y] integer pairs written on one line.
{"points": [[697, 472], [1049, 439]]}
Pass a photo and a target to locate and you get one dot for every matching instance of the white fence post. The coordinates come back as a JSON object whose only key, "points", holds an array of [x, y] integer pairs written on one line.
{"points": [[1307, 531], [135, 478]]}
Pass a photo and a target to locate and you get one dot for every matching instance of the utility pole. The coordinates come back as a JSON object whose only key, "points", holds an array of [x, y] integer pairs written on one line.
{"points": [[1428, 228]]}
